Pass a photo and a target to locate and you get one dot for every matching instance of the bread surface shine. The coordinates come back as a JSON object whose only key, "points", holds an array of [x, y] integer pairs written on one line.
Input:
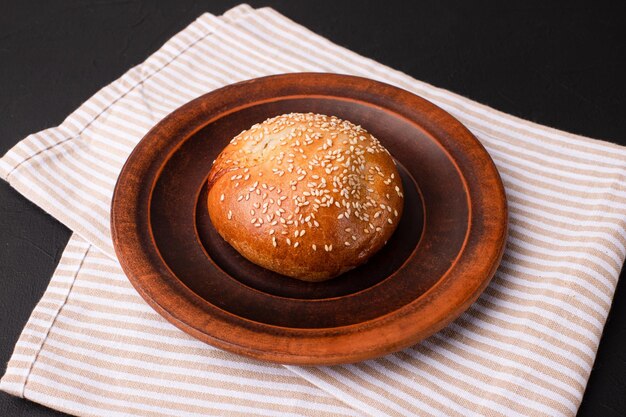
{"points": [[305, 195]]}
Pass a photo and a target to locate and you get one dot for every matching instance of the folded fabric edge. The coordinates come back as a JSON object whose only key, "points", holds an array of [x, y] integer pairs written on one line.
{"points": [[35, 332], [73, 125]]}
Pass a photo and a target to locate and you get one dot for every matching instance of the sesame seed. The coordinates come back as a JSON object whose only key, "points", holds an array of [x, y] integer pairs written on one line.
{"points": [[314, 247], [222, 197], [295, 245]]}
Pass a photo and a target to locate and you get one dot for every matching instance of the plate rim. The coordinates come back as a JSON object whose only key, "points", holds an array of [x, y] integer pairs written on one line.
{"points": [[160, 288]]}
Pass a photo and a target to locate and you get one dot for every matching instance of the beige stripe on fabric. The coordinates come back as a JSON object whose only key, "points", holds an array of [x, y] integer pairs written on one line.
{"points": [[83, 356], [524, 349]]}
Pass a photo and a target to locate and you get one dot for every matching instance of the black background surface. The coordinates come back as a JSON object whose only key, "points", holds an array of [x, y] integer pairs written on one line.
{"points": [[556, 64]]}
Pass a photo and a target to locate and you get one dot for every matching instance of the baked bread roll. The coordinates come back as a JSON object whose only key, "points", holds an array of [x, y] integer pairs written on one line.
{"points": [[305, 195]]}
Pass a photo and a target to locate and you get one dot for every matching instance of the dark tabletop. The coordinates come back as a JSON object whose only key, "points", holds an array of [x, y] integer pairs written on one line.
{"points": [[558, 65]]}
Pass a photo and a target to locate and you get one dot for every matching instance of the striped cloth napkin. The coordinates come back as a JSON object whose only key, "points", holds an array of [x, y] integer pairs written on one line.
{"points": [[526, 347]]}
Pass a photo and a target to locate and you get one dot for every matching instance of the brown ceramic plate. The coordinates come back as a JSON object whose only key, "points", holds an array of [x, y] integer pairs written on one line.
{"points": [[444, 252]]}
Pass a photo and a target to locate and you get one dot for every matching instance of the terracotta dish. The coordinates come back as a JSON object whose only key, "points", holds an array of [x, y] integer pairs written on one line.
{"points": [[446, 248]]}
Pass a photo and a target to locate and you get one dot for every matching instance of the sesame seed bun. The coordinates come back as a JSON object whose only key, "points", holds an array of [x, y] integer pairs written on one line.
{"points": [[305, 195]]}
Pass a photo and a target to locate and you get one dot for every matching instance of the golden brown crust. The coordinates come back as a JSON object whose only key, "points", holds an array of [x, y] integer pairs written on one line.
{"points": [[305, 195]]}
